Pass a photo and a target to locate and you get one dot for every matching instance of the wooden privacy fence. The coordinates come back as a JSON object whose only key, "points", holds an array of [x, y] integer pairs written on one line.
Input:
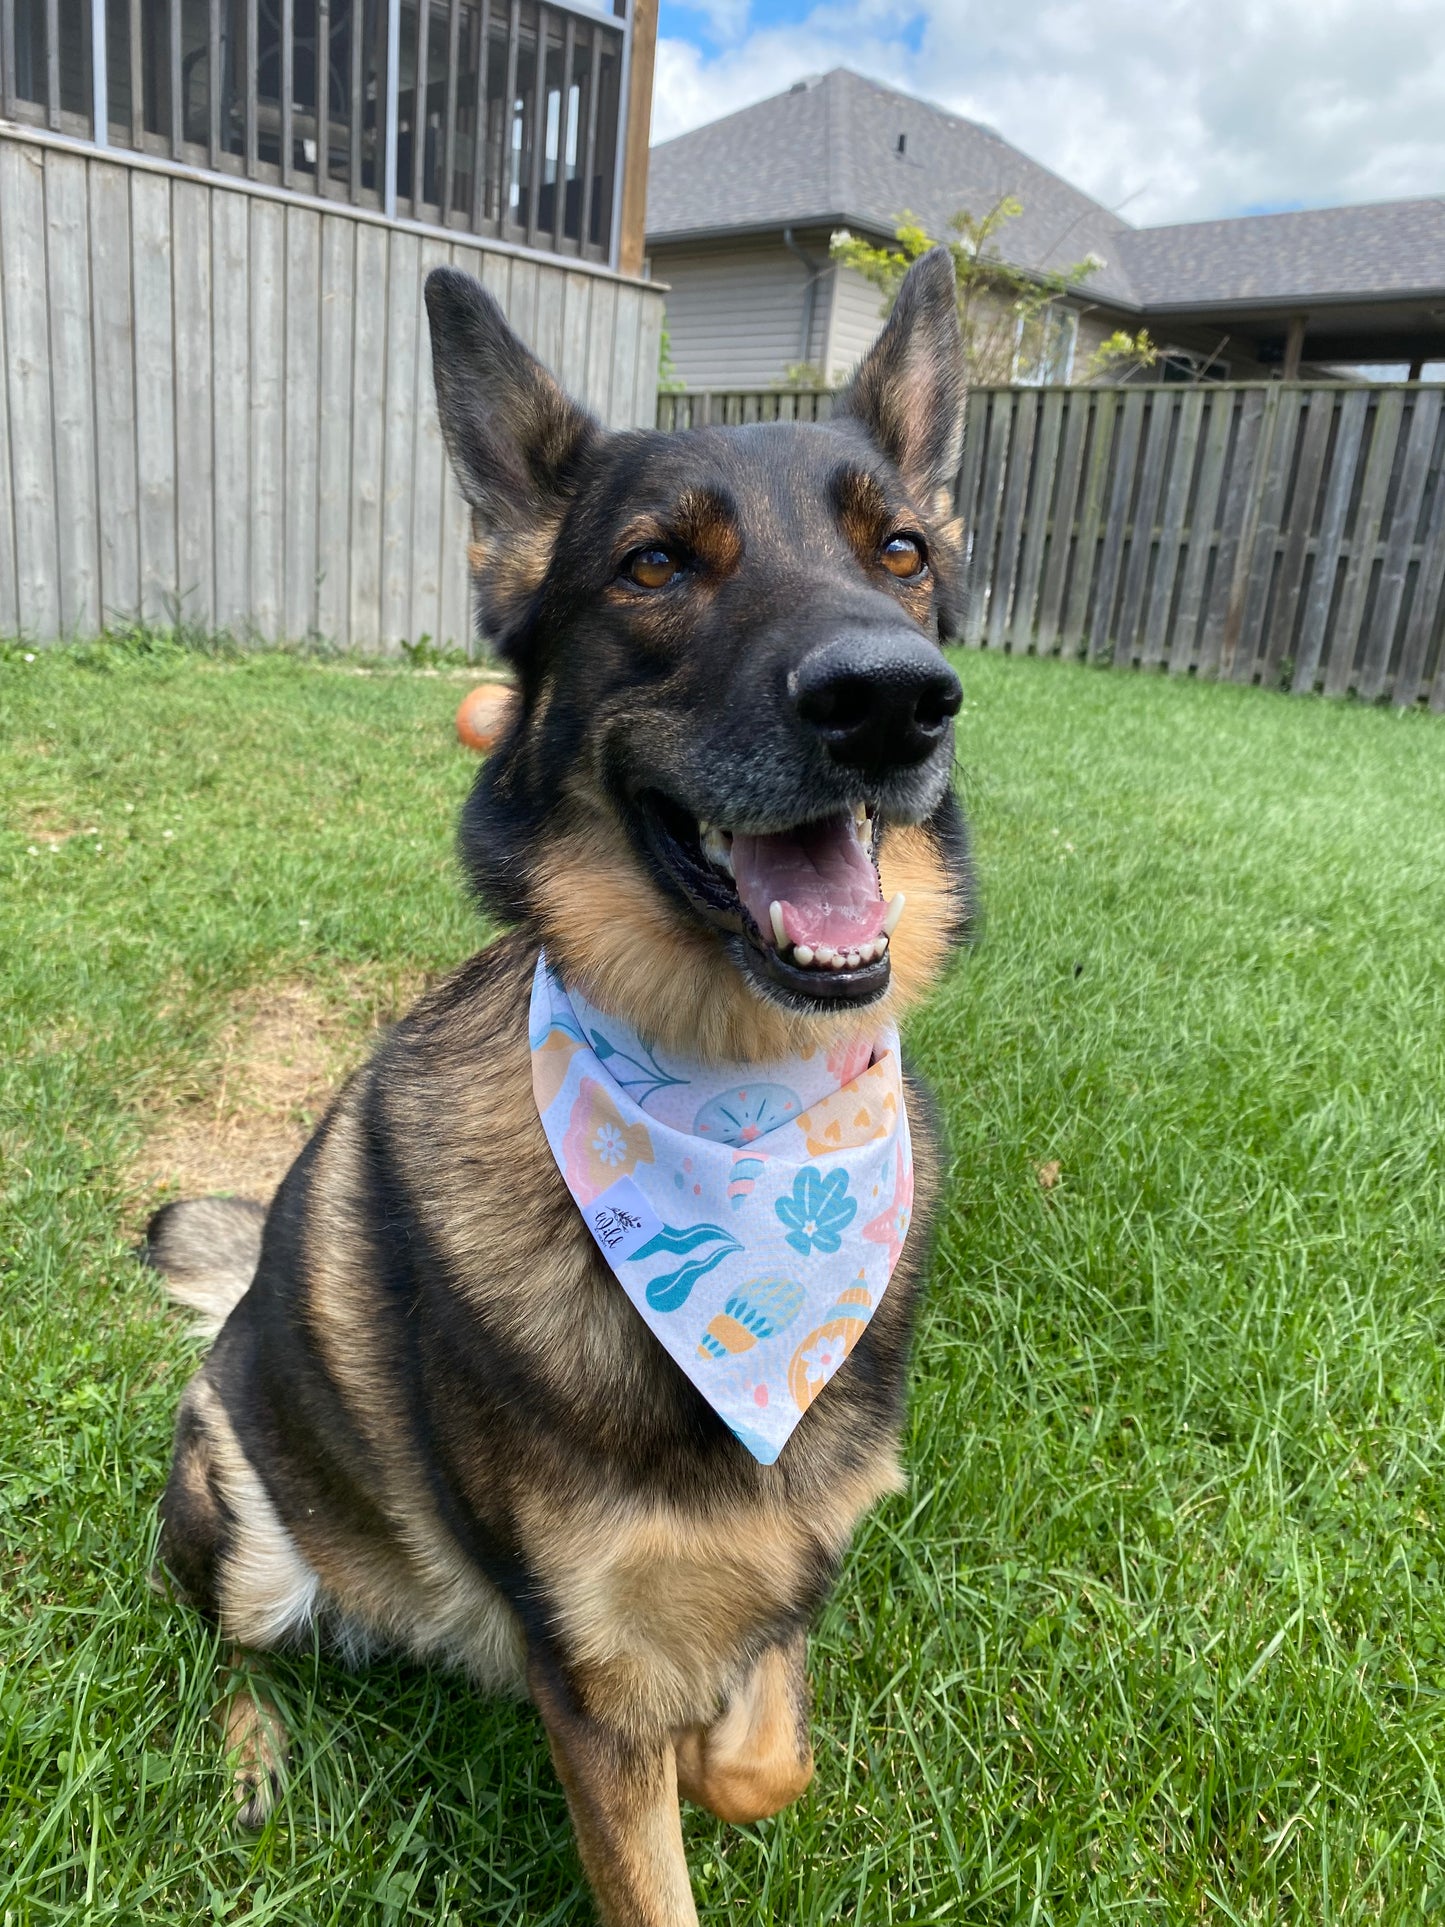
{"points": [[1284, 533], [731, 407], [216, 402]]}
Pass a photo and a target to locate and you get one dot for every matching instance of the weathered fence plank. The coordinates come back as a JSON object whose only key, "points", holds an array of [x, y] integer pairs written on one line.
{"points": [[1314, 624], [1254, 558], [112, 341], [1233, 516], [73, 400], [975, 431], [995, 463], [1409, 495], [1040, 496], [27, 369], [1071, 459], [155, 414], [195, 385], [1314, 439], [1176, 493], [268, 417], [1020, 469], [1106, 420], [303, 376], [1428, 606], [231, 408], [572, 368], [333, 452], [1199, 533], [399, 458], [1116, 525], [1344, 643], [368, 435], [1140, 533]]}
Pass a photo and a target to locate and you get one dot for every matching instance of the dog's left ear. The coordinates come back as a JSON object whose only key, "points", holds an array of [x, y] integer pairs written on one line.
{"points": [[515, 439], [909, 390]]}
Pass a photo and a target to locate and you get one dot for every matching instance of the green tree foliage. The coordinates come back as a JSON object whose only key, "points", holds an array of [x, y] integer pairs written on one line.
{"points": [[669, 381], [1010, 316]]}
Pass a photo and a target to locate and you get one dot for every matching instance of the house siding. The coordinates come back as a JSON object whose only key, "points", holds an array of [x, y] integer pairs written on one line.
{"points": [[857, 317], [735, 313]]}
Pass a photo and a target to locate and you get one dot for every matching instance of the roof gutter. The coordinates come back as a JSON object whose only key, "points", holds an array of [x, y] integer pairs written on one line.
{"points": [[1265, 304]]}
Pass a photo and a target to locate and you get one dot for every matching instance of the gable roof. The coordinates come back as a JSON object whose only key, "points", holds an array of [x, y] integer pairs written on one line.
{"points": [[826, 153]]}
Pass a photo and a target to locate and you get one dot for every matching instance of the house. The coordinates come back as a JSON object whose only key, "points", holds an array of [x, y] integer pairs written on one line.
{"points": [[215, 220], [741, 212]]}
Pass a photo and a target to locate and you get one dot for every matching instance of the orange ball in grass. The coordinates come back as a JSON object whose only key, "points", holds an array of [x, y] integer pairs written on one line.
{"points": [[484, 714]]}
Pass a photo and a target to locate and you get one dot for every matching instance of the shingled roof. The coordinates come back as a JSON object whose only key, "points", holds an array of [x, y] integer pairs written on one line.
{"points": [[828, 152], [1325, 253]]}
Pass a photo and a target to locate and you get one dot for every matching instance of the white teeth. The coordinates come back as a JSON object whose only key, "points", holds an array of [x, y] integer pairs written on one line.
{"points": [[717, 847], [860, 815], [775, 914], [895, 911], [826, 958]]}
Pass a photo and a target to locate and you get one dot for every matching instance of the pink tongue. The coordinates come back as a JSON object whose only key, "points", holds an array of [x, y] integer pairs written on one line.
{"points": [[822, 877]]}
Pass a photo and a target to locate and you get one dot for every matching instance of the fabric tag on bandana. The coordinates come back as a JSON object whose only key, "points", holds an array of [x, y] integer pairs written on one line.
{"points": [[620, 1220], [753, 1214]]}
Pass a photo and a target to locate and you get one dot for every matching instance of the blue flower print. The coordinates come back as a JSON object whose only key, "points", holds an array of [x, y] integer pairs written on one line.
{"points": [[818, 1212]]}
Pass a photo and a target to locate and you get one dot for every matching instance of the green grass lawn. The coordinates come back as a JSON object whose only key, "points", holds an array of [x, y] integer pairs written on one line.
{"points": [[1158, 1632]]}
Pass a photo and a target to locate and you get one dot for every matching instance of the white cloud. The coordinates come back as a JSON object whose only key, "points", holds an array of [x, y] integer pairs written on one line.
{"points": [[1170, 109]]}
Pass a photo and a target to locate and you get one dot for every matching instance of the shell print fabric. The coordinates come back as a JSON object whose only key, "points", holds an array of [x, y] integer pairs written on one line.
{"points": [[752, 1215]]}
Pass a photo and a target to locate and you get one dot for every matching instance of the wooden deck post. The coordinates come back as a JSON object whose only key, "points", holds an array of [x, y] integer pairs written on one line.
{"points": [[633, 219], [1294, 346]]}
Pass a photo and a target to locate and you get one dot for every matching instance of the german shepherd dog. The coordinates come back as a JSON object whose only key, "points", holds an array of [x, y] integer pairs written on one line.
{"points": [[431, 1421]]}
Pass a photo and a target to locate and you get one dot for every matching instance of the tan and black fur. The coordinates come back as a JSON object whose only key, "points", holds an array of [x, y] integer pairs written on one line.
{"points": [[431, 1420]]}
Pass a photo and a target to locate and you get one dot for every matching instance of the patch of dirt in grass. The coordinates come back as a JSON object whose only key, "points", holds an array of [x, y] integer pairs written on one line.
{"points": [[278, 1062], [47, 826]]}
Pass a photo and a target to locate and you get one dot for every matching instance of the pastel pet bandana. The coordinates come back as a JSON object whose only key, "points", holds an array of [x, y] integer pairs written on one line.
{"points": [[753, 1215]]}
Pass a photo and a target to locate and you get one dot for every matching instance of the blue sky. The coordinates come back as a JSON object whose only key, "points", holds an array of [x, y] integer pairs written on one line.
{"points": [[1175, 110]]}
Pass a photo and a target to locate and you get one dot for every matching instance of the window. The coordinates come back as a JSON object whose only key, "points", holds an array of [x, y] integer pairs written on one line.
{"points": [[1044, 348]]}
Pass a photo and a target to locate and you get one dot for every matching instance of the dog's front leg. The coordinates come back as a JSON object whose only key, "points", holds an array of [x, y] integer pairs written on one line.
{"points": [[622, 1793]]}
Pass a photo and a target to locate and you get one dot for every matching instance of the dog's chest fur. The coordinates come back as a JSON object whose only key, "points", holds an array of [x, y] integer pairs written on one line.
{"points": [[449, 1398]]}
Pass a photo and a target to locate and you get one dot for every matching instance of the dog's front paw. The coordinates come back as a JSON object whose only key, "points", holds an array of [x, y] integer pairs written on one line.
{"points": [[256, 1747]]}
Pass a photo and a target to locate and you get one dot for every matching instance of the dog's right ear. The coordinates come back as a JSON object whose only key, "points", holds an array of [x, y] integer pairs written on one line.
{"points": [[515, 440]]}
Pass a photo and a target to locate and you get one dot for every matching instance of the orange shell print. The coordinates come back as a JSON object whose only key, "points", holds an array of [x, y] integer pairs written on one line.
{"points": [[600, 1146], [824, 1350], [861, 1111]]}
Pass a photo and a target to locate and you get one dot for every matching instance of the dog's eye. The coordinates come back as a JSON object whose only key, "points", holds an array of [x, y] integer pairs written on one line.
{"points": [[652, 568], [903, 556]]}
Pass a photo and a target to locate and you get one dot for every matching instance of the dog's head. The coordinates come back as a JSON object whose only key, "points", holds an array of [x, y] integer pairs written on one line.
{"points": [[734, 746]]}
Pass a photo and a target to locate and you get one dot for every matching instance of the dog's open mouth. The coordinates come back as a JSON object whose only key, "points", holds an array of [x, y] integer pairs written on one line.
{"points": [[807, 901]]}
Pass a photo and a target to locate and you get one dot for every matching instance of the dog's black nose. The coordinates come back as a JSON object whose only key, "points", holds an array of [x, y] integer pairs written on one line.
{"points": [[879, 698]]}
